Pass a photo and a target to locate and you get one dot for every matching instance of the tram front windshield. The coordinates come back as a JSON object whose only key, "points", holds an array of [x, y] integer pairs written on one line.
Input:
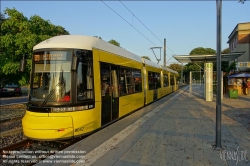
{"points": [[51, 79]]}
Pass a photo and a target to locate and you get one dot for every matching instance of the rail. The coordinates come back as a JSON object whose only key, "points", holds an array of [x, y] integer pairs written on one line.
{"points": [[10, 132]]}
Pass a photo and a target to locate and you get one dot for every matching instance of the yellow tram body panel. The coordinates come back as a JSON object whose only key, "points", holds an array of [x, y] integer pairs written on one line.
{"points": [[159, 93], [117, 60], [46, 128], [130, 103], [149, 96], [167, 90], [60, 125]]}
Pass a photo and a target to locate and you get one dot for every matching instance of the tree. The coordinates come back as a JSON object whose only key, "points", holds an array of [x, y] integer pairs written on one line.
{"points": [[225, 51], [98, 37], [176, 67], [112, 41], [242, 1], [18, 37], [198, 66], [192, 67], [2, 19], [146, 57], [202, 51], [225, 64], [198, 51]]}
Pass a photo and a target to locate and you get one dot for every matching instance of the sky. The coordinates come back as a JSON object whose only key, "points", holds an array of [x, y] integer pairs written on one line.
{"points": [[140, 25]]}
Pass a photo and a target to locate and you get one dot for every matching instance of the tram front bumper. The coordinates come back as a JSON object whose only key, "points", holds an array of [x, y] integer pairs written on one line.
{"points": [[47, 127]]}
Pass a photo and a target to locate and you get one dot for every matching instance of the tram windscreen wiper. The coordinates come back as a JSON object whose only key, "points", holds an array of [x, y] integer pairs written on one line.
{"points": [[52, 92]]}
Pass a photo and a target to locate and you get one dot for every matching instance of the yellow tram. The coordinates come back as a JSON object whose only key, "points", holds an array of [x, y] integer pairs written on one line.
{"points": [[81, 83]]}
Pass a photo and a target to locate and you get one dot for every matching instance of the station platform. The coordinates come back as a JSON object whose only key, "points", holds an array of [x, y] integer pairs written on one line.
{"points": [[176, 130]]}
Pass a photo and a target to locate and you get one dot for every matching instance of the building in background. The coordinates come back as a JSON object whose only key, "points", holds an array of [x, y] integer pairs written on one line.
{"points": [[239, 41]]}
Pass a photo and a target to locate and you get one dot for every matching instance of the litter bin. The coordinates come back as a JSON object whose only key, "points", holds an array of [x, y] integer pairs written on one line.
{"points": [[233, 93]]}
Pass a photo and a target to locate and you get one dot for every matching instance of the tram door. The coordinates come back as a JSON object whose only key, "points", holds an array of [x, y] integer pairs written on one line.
{"points": [[109, 92]]}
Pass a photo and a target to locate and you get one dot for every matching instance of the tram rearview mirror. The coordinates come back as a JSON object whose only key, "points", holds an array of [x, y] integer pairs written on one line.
{"points": [[74, 64], [23, 63]]}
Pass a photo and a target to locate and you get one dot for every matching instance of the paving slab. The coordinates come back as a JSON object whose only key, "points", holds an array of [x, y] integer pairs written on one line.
{"points": [[185, 132], [176, 130]]}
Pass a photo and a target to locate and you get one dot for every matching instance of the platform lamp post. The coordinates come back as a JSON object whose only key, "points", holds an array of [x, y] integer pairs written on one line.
{"points": [[217, 145]]}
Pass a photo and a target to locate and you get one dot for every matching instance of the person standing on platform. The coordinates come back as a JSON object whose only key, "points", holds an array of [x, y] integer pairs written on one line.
{"points": [[248, 86], [244, 86]]}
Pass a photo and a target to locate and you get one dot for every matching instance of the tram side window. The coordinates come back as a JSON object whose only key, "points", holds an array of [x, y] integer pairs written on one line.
{"points": [[165, 83], [157, 81], [126, 81], [85, 76], [137, 80], [171, 80], [154, 80], [150, 80]]}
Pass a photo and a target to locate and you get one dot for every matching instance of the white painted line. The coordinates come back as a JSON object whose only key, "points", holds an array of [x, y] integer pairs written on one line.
{"points": [[99, 151]]}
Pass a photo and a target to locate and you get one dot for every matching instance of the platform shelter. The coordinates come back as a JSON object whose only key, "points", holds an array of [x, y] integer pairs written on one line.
{"points": [[208, 69]]}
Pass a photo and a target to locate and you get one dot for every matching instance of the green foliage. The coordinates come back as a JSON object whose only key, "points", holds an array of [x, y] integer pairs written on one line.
{"points": [[202, 51], [112, 41], [176, 67], [98, 37], [2, 17], [198, 51], [208, 51], [225, 51], [18, 37], [232, 66], [192, 67], [225, 64], [146, 57], [198, 66], [242, 1]]}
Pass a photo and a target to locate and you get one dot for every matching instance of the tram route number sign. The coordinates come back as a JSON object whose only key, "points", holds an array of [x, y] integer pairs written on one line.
{"points": [[51, 56]]}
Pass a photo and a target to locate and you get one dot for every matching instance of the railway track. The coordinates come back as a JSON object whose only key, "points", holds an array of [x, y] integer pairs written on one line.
{"points": [[11, 124], [11, 132], [14, 111], [25, 152]]}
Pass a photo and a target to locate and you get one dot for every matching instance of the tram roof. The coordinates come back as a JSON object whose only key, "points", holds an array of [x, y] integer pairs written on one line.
{"points": [[208, 58], [168, 69], [85, 42], [150, 63], [88, 43]]}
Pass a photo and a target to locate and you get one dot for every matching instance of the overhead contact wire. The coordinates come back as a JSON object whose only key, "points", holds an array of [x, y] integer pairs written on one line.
{"points": [[128, 23]]}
